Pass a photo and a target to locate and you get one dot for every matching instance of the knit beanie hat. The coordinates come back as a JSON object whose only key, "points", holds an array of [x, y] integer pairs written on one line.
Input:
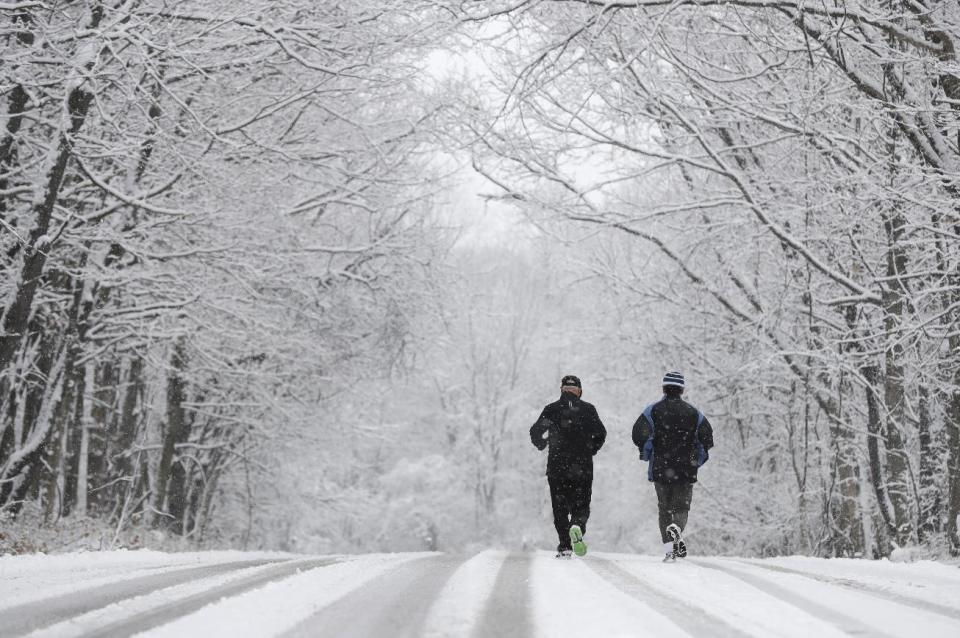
{"points": [[674, 379]]}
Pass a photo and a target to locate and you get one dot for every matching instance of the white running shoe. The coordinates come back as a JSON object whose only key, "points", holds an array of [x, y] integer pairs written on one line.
{"points": [[679, 547], [671, 554]]}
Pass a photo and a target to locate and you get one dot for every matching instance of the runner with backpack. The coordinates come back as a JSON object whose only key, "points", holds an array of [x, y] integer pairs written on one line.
{"points": [[674, 438]]}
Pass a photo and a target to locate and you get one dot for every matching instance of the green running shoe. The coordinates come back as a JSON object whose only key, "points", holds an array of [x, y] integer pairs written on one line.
{"points": [[576, 538]]}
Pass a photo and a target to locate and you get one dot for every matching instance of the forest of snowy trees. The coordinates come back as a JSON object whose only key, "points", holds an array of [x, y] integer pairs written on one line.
{"points": [[212, 215], [300, 275]]}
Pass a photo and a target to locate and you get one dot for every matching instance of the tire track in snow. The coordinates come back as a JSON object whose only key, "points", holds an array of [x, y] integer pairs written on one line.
{"points": [[865, 588], [28, 617], [507, 612], [395, 604], [173, 610], [701, 623], [570, 599], [847, 624], [458, 606]]}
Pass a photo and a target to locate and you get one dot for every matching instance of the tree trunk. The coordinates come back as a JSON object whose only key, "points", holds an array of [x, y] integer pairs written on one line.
{"points": [[73, 427], [16, 105], [951, 362], [847, 529], [101, 420], [871, 375], [953, 460], [124, 467], [848, 540], [177, 490], [34, 255], [25, 474], [8, 416], [59, 437], [176, 424], [17, 314], [929, 506], [82, 427], [38, 379], [205, 508], [73, 437], [17, 100], [897, 466]]}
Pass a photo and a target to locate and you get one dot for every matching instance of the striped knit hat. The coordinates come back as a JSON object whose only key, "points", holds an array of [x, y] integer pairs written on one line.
{"points": [[674, 379]]}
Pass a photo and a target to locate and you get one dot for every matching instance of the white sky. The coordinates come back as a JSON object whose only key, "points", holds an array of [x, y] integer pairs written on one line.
{"points": [[482, 221], [485, 220]]}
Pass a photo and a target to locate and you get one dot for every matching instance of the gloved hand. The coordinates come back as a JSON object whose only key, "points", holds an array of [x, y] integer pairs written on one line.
{"points": [[543, 441], [540, 433]]}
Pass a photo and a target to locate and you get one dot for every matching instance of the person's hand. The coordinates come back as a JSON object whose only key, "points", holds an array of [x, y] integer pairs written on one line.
{"points": [[543, 441]]}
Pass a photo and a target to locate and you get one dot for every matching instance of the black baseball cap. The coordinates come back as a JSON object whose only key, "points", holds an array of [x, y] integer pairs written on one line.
{"points": [[571, 380]]}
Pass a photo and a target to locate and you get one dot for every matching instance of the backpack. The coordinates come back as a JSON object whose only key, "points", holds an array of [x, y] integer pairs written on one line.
{"points": [[646, 454], [702, 454]]}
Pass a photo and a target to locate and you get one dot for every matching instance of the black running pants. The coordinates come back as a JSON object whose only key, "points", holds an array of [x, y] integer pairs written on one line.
{"points": [[571, 506], [673, 501]]}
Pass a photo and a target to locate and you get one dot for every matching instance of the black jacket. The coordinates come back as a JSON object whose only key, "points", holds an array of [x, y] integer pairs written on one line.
{"points": [[680, 431], [574, 432]]}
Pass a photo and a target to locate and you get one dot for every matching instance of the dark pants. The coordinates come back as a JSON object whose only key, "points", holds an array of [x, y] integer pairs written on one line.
{"points": [[673, 501], [571, 506]]}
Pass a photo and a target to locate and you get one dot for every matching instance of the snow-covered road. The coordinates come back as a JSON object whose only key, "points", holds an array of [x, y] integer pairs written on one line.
{"points": [[489, 594]]}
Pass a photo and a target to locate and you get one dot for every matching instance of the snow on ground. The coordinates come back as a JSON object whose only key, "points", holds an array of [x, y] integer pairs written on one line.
{"points": [[927, 580], [131, 608], [464, 596], [284, 604], [489, 594], [751, 609], [570, 599], [849, 607], [37, 576]]}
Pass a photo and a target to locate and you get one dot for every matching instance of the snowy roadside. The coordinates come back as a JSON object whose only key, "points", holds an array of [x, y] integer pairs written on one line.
{"points": [[927, 580], [35, 577], [281, 605], [493, 593]]}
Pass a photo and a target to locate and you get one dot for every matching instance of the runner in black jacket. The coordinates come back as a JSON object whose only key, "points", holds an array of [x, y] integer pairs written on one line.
{"points": [[574, 432], [675, 438]]}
